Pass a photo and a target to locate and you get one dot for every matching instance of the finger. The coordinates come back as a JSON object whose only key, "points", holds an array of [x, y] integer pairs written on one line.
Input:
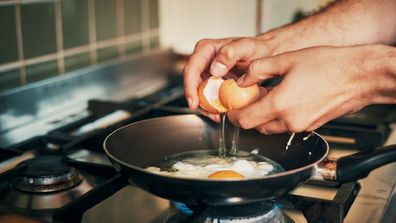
{"points": [[253, 115], [263, 91], [199, 61], [192, 75], [265, 68], [273, 127], [240, 67], [230, 75], [238, 50], [213, 117]]}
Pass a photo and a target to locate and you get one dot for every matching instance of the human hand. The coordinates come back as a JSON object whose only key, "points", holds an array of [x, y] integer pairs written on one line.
{"points": [[219, 57], [319, 84]]}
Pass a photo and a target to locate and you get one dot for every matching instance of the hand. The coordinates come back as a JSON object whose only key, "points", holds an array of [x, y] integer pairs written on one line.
{"points": [[319, 84], [220, 57]]}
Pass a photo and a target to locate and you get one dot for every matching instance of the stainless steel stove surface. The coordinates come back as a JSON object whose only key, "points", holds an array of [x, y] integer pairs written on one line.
{"points": [[53, 168]]}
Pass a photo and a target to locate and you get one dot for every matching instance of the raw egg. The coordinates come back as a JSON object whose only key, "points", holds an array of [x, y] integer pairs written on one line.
{"points": [[225, 174], [211, 167], [217, 95]]}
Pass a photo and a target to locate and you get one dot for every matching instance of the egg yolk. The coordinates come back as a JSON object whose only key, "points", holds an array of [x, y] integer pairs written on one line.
{"points": [[225, 174]]}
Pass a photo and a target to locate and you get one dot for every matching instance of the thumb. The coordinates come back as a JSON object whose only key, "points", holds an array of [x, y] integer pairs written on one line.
{"points": [[265, 68]]}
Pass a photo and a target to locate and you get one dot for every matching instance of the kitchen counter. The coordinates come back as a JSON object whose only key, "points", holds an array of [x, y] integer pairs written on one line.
{"points": [[372, 203]]}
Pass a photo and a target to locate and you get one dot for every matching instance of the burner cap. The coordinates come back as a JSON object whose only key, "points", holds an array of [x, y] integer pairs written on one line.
{"points": [[260, 212], [241, 210], [47, 174]]}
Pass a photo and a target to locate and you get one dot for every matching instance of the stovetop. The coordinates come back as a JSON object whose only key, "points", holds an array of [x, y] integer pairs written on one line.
{"points": [[108, 197]]}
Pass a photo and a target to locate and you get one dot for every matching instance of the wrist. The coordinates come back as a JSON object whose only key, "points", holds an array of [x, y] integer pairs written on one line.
{"points": [[286, 38], [381, 65]]}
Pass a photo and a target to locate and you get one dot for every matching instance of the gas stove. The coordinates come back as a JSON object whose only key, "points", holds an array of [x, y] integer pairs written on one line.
{"points": [[53, 167]]}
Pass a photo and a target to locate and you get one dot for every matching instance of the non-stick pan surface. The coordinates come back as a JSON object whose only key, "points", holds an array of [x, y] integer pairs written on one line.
{"points": [[136, 146]]}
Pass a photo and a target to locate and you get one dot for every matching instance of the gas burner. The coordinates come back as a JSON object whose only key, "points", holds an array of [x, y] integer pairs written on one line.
{"points": [[47, 174], [46, 183], [263, 212]]}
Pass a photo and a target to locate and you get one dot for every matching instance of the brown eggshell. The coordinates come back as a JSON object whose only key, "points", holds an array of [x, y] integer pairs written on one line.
{"points": [[203, 102], [234, 97]]}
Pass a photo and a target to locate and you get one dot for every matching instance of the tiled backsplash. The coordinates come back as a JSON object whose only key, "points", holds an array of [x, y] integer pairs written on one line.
{"points": [[44, 38]]}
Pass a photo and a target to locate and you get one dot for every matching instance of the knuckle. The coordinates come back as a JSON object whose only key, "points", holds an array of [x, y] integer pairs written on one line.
{"points": [[190, 67], [294, 126], [262, 130], [259, 67], [243, 122], [314, 126], [253, 67], [247, 41], [186, 68], [228, 52], [310, 129], [202, 42]]}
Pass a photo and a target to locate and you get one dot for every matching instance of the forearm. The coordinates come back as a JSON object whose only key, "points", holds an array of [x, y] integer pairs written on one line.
{"points": [[346, 22]]}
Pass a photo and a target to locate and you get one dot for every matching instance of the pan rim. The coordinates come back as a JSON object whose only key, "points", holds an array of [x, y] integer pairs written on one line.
{"points": [[276, 175]]}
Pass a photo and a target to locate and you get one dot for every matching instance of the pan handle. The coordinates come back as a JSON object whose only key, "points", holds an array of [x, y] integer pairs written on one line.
{"points": [[359, 165]]}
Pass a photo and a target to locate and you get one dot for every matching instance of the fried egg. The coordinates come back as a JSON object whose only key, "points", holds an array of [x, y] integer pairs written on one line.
{"points": [[218, 168]]}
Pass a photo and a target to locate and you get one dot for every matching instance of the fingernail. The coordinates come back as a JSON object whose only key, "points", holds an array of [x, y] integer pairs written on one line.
{"points": [[217, 69], [241, 80], [213, 117], [190, 103]]}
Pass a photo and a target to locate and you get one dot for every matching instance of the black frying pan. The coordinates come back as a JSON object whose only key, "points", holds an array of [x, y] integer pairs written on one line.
{"points": [[134, 147]]}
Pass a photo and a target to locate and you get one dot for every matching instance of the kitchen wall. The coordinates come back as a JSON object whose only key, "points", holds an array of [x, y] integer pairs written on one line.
{"points": [[40, 39], [45, 38], [184, 22], [276, 13]]}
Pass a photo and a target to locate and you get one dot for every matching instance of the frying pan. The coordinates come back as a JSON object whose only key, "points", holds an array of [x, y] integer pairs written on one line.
{"points": [[134, 147]]}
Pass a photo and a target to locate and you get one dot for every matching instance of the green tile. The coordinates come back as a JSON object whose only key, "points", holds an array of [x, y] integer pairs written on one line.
{"points": [[133, 16], [38, 29], [154, 42], [41, 71], [106, 22], [8, 42], [77, 61], [74, 23], [9, 79], [106, 54], [154, 17], [134, 47]]}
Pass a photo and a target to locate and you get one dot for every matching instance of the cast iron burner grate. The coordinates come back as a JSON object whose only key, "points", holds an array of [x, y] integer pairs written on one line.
{"points": [[46, 174]]}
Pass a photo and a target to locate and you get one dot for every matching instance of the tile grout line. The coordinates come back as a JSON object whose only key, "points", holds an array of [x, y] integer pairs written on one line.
{"points": [[92, 32], [13, 2], [7, 3], [21, 62], [157, 28], [120, 16], [76, 50], [145, 25], [82, 49], [59, 37], [41, 59]]}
